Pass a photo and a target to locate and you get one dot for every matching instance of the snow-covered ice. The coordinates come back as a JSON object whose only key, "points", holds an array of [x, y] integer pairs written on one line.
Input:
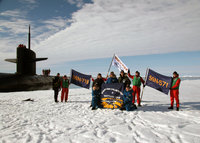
{"points": [[45, 121]]}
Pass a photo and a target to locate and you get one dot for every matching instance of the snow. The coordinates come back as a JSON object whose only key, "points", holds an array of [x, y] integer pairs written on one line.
{"points": [[49, 122]]}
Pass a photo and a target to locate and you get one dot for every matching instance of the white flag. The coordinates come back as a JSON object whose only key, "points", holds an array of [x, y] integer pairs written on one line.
{"points": [[119, 64]]}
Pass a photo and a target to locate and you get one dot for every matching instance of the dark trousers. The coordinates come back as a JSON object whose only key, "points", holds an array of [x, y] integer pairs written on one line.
{"points": [[56, 95]]}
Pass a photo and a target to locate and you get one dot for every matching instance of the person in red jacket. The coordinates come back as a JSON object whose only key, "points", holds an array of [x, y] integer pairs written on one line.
{"points": [[174, 91], [137, 80]]}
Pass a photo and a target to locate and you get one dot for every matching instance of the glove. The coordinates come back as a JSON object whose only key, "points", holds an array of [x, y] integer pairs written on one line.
{"points": [[144, 85], [129, 71]]}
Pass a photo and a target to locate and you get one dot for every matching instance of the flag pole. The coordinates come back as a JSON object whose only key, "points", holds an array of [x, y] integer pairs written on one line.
{"points": [[147, 71], [70, 76], [110, 65]]}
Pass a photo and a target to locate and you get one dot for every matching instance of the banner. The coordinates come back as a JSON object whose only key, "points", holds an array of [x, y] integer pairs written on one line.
{"points": [[158, 81], [119, 64], [112, 95], [80, 79]]}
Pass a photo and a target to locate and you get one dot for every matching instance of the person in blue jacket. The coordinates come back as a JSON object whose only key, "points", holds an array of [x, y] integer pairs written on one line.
{"points": [[127, 99], [112, 78], [96, 92]]}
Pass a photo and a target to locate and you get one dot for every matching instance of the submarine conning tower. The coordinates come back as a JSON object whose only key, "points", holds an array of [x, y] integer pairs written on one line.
{"points": [[26, 59]]}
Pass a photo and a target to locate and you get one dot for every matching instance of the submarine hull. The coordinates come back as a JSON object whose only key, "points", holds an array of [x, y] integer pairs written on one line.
{"points": [[15, 82]]}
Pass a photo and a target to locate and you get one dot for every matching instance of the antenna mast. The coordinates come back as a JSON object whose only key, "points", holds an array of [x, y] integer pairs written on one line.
{"points": [[29, 38]]}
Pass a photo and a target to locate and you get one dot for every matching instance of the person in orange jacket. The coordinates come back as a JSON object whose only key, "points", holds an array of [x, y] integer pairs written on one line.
{"points": [[137, 80], [174, 91]]}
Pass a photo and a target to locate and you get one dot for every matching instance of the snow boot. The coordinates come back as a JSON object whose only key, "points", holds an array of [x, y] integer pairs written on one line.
{"points": [[122, 108], [171, 108], [93, 108], [177, 108], [134, 106]]}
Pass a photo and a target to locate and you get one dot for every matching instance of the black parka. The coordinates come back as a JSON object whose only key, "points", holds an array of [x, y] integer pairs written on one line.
{"points": [[56, 83], [125, 80]]}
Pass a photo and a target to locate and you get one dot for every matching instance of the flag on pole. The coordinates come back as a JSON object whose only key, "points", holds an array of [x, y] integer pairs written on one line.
{"points": [[80, 79], [159, 82], [119, 64]]}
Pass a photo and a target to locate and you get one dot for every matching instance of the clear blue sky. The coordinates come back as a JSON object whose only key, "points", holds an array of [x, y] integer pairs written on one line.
{"points": [[185, 63], [101, 29]]}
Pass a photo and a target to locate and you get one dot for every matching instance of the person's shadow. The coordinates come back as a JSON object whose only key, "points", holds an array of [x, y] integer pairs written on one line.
{"points": [[78, 101], [154, 106], [190, 105], [164, 107]]}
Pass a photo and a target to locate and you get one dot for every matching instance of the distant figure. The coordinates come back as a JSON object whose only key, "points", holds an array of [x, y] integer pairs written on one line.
{"points": [[46, 72], [56, 86], [174, 91], [96, 92], [65, 88], [128, 98], [124, 79], [99, 80], [112, 78], [137, 80]]}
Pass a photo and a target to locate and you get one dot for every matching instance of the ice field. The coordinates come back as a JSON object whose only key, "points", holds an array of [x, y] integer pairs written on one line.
{"points": [[74, 122]]}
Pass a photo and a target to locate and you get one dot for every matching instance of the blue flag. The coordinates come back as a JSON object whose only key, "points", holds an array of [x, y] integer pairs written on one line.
{"points": [[80, 79], [159, 82], [112, 95]]}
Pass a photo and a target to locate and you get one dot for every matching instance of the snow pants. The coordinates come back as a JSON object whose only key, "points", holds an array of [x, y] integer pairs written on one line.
{"points": [[94, 101], [56, 95], [136, 90], [174, 94], [128, 106], [64, 94]]}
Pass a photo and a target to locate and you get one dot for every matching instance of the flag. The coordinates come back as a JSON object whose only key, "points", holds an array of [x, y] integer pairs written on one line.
{"points": [[119, 64], [80, 79], [159, 82], [112, 95]]}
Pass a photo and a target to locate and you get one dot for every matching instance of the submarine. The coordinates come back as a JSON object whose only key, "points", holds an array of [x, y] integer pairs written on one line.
{"points": [[25, 78]]}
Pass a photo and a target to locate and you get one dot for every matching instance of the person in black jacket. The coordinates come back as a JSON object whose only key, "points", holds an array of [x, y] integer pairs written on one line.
{"points": [[96, 100], [124, 79], [97, 83], [56, 86], [99, 80]]}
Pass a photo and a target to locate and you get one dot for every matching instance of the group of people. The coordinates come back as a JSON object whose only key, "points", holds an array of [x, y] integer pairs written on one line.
{"points": [[128, 94]]}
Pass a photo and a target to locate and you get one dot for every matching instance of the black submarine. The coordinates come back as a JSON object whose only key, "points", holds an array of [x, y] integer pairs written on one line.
{"points": [[25, 78]]}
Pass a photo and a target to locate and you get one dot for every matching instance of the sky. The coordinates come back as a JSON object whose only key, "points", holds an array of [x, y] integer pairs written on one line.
{"points": [[163, 35]]}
